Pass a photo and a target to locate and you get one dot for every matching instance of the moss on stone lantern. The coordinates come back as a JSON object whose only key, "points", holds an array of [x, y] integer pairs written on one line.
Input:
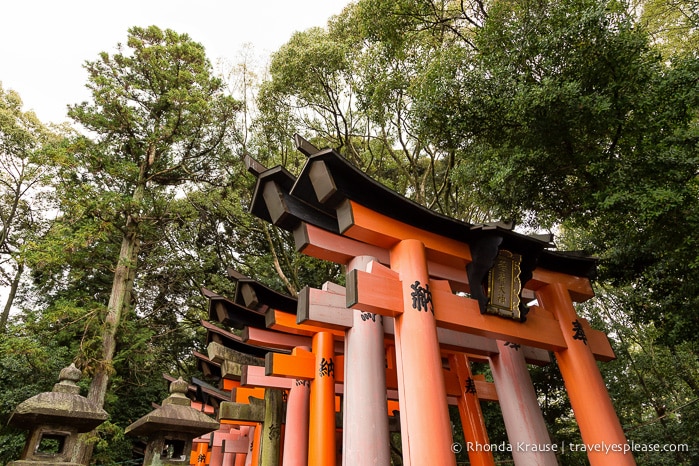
{"points": [[54, 420], [170, 429]]}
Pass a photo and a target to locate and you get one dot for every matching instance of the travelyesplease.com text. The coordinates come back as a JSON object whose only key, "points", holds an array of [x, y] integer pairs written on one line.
{"points": [[563, 447]]}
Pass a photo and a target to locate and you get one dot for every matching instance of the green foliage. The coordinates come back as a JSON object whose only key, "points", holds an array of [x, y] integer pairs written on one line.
{"points": [[110, 288], [672, 25], [308, 64], [566, 113], [23, 177], [538, 108], [351, 86], [157, 111], [111, 445], [655, 388], [158, 166], [310, 87]]}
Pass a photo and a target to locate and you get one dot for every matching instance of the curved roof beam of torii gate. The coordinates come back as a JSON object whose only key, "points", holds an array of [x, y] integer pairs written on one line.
{"points": [[323, 191], [306, 308], [324, 198], [329, 182]]}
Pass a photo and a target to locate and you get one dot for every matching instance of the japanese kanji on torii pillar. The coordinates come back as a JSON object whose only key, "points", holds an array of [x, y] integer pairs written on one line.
{"points": [[432, 272]]}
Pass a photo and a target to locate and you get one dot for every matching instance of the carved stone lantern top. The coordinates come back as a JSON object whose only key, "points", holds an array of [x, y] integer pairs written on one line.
{"points": [[174, 415], [62, 406]]}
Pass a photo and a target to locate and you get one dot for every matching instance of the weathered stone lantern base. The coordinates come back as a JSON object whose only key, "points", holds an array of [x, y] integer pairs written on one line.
{"points": [[48, 445], [169, 448]]}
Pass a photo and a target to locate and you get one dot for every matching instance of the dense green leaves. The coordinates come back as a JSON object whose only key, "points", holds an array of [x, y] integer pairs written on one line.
{"points": [[672, 24], [537, 112], [655, 387], [352, 87], [567, 114], [23, 177], [156, 109], [29, 364]]}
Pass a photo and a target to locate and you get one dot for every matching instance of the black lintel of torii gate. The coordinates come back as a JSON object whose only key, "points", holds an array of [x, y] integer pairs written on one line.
{"points": [[259, 297], [328, 181], [227, 352], [230, 340], [247, 309], [227, 312], [210, 370], [273, 202]]}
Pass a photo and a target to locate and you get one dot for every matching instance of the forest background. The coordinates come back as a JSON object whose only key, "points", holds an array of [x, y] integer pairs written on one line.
{"points": [[573, 117]]}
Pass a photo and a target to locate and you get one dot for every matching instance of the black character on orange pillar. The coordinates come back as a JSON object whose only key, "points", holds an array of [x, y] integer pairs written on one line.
{"points": [[422, 297], [470, 386], [579, 332], [327, 367]]}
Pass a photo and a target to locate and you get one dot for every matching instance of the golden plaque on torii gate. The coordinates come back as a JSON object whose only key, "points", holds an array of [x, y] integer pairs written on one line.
{"points": [[504, 285]]}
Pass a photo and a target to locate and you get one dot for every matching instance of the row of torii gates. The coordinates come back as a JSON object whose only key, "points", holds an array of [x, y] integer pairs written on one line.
{"points": [[425, 295]]}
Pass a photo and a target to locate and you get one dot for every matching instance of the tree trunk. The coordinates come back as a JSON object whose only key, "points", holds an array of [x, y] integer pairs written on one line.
{"points": [[119, 299], [11, 297]]}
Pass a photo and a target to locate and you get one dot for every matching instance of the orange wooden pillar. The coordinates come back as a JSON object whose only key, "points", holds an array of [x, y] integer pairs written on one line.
{"points": [[472, 420], [254, 456], [425, 425], [599, 425], [321, 429], [201, 454]]}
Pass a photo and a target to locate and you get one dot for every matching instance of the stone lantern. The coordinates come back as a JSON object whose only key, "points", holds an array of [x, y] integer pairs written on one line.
{"points": [[171, 428], [54, 420]]}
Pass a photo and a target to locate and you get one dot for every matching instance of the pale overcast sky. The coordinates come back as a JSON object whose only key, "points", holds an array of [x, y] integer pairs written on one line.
{"points": [[44, 43]]}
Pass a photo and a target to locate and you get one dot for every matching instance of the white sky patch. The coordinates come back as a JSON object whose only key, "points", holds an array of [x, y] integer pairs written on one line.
{"points": [[44, 43]]}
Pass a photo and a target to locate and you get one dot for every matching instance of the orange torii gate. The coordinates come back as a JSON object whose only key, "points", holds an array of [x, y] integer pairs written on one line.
{"points": [[328, 308], [365, 405], [428, 259], [283, 321]]}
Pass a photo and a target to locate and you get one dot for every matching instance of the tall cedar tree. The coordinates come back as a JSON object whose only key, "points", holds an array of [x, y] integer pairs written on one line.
{"points": [[158, 120]]}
